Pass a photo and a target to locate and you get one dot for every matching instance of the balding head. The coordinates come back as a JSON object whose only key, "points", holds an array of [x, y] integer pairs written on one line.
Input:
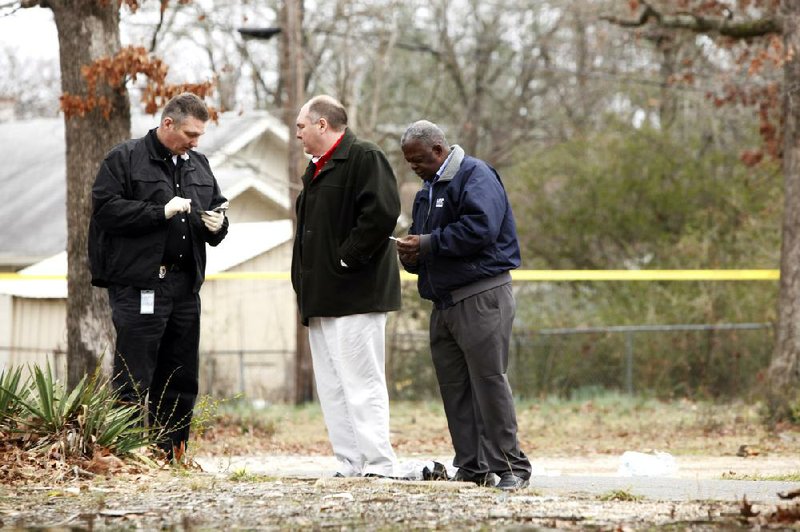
{"points": [[320, 123], [330, 109]]}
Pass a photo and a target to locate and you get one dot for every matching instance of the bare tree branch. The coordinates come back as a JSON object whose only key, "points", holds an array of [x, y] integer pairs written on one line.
{"points": [[10, 7], [157, 29], [699, 24]]}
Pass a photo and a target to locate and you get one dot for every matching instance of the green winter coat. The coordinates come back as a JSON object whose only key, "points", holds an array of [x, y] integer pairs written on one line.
{"points": [[346, 214]]}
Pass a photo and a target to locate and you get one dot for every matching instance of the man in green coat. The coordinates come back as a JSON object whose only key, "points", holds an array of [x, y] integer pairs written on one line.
{"points": [[346, 276]]}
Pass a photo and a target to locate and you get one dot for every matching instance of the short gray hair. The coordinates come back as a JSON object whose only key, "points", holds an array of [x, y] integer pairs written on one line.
{"points": [[425, 132]]}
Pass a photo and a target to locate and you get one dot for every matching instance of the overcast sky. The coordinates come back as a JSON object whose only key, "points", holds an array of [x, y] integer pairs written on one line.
{"points": [[30, 33]]}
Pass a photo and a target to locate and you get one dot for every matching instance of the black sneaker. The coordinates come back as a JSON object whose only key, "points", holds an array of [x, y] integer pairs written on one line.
{"points": [[481, 479], [511, 482]]}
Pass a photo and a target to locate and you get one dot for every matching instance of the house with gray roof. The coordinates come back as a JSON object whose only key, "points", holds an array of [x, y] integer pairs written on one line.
{"points": [[248, 324], [247, 152]]}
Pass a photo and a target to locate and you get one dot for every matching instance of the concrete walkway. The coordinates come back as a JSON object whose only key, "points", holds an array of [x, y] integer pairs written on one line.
{"points": [[695, 478], [668, 489]]}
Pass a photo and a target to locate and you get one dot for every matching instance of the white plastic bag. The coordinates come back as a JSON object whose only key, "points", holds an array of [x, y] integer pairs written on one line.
{"points": [[636, 464]]}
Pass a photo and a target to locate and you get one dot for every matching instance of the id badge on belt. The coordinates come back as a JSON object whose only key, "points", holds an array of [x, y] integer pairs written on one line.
{"points": [[148, 303]]}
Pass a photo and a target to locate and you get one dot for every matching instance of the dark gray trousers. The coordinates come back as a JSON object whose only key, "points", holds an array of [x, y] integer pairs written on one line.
{"points": [[469, 347]]}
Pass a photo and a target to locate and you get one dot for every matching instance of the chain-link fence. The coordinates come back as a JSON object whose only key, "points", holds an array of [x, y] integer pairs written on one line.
{"points": [[685, 360]]}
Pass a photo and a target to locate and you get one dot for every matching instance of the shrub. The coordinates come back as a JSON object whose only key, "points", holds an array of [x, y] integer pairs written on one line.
{"points": [[77, 422]]}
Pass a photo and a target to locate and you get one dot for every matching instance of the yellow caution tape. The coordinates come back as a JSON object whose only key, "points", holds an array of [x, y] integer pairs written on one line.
{"points": [[24, 277], [516, 275], [270, 276], [645, 275]]}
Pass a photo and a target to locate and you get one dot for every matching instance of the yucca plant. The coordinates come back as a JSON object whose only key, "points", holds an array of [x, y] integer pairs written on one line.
{"points": [[12, 388], [105, 422], [79, 421]]}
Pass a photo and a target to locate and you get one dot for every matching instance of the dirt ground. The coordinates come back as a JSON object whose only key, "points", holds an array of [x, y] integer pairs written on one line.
{"points": [[176, 499], [267, 470], [205, 502]]}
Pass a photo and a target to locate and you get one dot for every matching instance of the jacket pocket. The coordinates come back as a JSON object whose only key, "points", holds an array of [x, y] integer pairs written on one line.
{"points": [[344, 270], [199, 190], [151, 188]]}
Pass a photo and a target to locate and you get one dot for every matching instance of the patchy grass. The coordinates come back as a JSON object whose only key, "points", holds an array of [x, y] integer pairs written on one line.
{"points": [[615, 423], [620, 496], [786, 477], [238, 429], [604, 424], [242, 475]]}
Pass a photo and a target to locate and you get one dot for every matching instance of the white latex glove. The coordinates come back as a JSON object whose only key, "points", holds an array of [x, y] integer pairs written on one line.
{"points": [[213, 220], [176, 205]]}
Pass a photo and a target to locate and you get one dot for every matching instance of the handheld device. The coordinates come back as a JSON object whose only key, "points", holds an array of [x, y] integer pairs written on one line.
{"points": [[222, 207]]}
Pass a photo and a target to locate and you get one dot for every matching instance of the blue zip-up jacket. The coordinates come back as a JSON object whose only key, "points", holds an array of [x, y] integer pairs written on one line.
{"points": [[468, 238]]}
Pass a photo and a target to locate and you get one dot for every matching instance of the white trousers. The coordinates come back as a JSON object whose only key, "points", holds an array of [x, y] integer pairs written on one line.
{"points": [[349, 354]]}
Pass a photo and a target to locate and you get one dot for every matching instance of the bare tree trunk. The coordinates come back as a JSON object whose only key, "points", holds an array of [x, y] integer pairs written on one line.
{"points": [[293, 80], [784, 371], [87, 30]]}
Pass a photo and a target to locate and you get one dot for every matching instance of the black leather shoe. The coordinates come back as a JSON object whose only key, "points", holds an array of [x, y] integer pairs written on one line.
{"points": [[338, 475], [481, 479], [511, 482]]}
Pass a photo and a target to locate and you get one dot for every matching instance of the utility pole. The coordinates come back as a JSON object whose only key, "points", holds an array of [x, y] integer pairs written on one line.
{"points": [[291, 95], [293, 77]]}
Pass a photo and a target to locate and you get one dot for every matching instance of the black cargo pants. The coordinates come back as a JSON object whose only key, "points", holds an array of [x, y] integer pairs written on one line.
{"points": [[156, 357]]}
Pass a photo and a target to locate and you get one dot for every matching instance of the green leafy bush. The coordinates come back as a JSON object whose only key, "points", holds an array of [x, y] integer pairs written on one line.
{"points": [[626, 198]]}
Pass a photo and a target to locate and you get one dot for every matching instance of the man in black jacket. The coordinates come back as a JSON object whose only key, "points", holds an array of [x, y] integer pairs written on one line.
{"points": [[155, 204], [345, 274]]}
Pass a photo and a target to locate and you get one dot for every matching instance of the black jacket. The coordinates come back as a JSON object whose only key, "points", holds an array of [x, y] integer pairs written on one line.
{"points": [[128, 228], [347, 213]]}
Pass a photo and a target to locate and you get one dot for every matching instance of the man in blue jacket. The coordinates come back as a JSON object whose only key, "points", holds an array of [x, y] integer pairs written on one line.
{"points": [[462, 245]]}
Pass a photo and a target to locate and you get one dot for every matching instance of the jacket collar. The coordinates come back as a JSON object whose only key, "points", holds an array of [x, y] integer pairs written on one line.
{"points": [[158, 151], [342, 152], [155, 148], [454, 164]]}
